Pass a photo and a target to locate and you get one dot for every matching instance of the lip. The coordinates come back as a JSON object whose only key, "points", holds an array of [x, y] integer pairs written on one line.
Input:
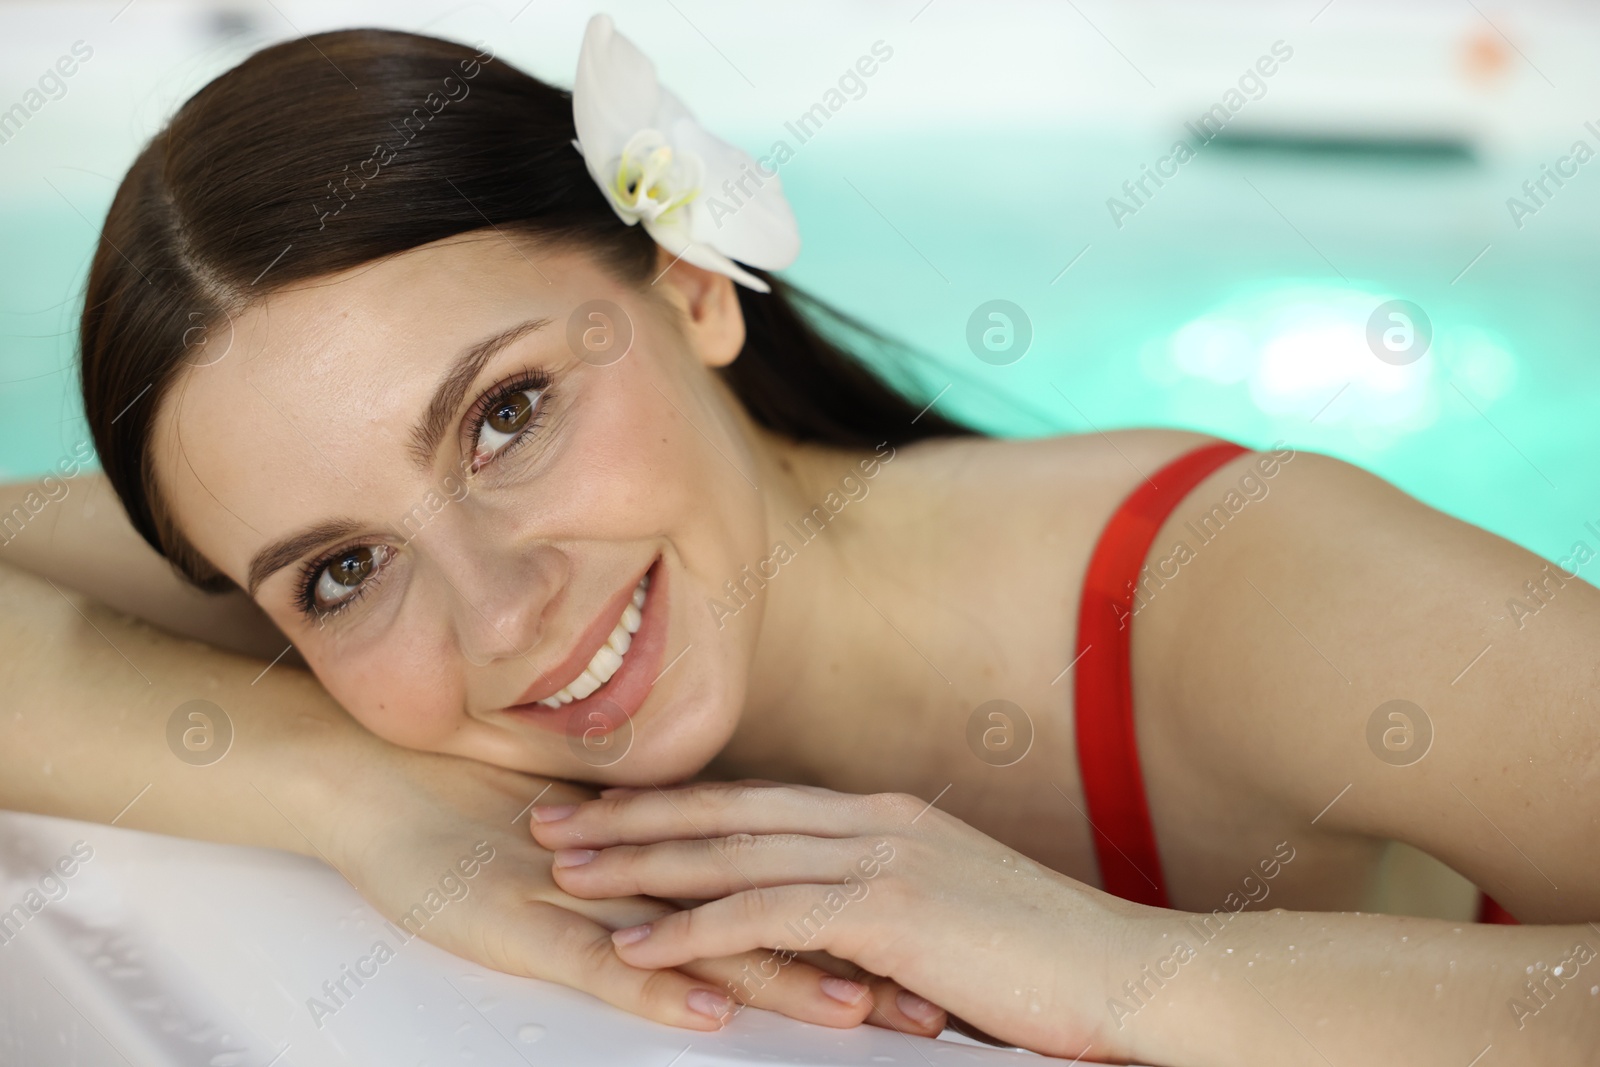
{"points": [[625, 691]]}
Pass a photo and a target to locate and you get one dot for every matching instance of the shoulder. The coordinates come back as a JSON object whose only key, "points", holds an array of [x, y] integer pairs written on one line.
{"points": [[1328, 596], [1043, 501], [1301, 565], [1072, 464]]}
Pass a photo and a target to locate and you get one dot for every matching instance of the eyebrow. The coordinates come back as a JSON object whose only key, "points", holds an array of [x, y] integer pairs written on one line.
{"points": [[452, 389], [279, 554]]}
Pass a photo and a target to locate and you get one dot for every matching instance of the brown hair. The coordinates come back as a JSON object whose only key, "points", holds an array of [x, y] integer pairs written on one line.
{"points": [[282, 170]]}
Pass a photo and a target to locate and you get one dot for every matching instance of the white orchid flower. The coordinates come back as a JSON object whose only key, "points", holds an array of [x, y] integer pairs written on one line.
{"points": [[661, 169]]}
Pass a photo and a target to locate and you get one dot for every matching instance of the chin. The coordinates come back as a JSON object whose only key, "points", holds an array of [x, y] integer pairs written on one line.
{"points": [[695, 709], [676, 743]]}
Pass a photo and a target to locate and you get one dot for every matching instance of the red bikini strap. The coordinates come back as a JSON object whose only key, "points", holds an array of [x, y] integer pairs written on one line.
{"points": [[1108, 751]]}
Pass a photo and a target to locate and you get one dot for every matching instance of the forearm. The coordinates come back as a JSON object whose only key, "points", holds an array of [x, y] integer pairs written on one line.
{"points": [[88, 696], [74, 532], [1316, 988]]}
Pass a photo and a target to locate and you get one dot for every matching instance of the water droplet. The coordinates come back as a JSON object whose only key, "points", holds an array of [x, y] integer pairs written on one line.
{"points": [[530, 1032]]}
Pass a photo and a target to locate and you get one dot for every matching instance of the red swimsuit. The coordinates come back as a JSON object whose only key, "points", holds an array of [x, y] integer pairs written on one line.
{"points": [[1108, 750]]}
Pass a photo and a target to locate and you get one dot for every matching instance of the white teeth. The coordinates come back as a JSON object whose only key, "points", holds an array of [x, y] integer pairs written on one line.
{"points": [[608, 659], [583, 685]]}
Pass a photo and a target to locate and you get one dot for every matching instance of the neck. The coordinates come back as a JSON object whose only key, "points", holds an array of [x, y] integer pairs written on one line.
{"points": [[834, 686]]}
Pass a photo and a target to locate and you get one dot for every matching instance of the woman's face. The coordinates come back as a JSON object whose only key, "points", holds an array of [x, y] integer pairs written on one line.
{"points": [[437, 477]]}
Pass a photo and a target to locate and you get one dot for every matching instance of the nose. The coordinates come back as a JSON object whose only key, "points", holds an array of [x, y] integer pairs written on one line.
{"points": [[498, 593]]}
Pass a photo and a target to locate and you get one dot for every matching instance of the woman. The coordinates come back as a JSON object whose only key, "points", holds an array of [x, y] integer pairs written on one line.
{"points": [[358, 383]]}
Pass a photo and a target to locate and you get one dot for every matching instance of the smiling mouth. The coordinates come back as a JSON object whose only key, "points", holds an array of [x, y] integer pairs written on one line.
{"points": [[609, 657], [619, 675]]}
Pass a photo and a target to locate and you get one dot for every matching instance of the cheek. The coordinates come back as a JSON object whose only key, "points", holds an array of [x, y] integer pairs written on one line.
{"points": [[656, 455], [400, 688]]}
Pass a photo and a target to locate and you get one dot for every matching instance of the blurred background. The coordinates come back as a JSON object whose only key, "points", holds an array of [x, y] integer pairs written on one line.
{"points": [[1250, 293]]}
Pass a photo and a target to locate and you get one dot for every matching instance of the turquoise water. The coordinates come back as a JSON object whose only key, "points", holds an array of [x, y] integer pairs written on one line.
{"points": [[1234, 300]]}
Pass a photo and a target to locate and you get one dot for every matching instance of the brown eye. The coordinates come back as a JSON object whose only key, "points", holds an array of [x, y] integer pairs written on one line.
{"points": [[339, 580], [353, 567], [511, 414], [507, 419]]}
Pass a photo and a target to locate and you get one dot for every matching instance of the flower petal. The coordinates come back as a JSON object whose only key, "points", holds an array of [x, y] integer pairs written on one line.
{"points": [[708, 258], [677, 240], [614, 95], [754, 223]]}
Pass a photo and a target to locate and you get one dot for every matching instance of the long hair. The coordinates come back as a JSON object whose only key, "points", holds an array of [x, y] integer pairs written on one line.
{"points": [[281, 170]]}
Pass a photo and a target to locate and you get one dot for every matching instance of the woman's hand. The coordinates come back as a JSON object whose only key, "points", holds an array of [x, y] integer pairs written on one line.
{"points": [[401, 836], [886, 881]]}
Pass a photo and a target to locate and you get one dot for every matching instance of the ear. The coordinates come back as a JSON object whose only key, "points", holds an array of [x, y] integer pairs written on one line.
{"points": [[713, 322]]}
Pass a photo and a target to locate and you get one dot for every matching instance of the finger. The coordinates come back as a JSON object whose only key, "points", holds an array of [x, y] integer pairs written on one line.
{"points": [[796, 989], [715, 867], [791, 917], [893, 1006], [896, 1008], [625, 790], [559, 946], [705, 810], [778, 981]]}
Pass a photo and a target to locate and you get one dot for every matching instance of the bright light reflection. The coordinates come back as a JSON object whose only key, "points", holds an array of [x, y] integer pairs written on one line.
{"points": [[1296, 346]]}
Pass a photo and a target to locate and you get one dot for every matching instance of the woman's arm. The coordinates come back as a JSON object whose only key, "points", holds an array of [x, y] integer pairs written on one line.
{"points": [[1058, 967], [89, 695], [88, 733], [74, 532], [1314, 988]]}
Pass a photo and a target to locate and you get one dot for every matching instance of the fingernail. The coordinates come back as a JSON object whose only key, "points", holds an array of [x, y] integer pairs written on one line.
{"points": [[705, 1002], [553, 812], [630, 935], [574, 857], [843, 990], [914, 1007]]}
